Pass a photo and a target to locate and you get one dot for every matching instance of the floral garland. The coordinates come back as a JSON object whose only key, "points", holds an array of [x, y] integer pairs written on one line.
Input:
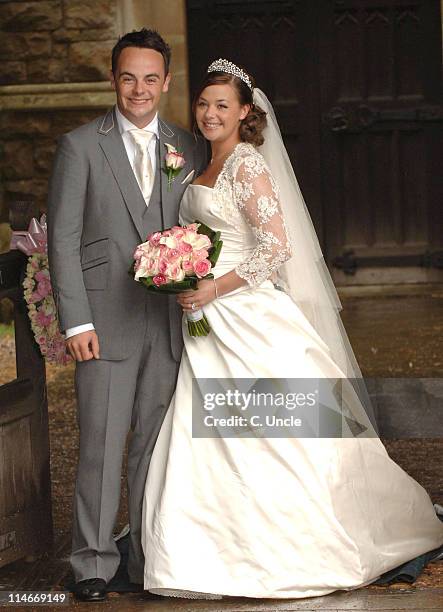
{"points": [[42, 310], [38, 292]]}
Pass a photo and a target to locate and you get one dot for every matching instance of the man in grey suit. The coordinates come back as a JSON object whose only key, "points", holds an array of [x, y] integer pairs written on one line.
{"points": [[108, 191]]}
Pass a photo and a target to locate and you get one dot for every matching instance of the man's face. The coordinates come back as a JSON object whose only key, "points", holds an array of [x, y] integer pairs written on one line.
{"points": [[139, 83]]}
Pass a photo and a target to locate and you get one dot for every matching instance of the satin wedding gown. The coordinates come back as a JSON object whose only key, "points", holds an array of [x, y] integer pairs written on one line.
{"points": [[269, 517]]}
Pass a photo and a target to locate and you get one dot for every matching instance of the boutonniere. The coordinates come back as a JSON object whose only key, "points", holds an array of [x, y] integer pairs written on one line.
{"points": [[174, 162]]}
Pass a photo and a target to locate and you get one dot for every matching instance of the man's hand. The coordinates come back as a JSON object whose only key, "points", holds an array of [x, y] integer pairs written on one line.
{"points": [[84, 346]]}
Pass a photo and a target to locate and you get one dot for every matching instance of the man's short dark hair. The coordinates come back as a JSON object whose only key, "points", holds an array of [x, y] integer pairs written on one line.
{"points": [[144, 39]]}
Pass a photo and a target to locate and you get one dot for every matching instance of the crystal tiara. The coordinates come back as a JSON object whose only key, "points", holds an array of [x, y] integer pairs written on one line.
{"points": [[223, 65]]}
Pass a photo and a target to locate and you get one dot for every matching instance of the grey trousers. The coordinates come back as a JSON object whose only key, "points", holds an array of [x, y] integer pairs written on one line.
{"points": [[115, 397]]}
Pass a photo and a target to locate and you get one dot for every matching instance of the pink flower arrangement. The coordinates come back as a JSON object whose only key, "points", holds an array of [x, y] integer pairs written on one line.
{"points": [[174, 260], [38, 292], [42, 311]]}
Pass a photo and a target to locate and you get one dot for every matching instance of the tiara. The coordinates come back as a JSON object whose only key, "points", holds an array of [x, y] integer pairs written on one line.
{"points": [[222, 65]]}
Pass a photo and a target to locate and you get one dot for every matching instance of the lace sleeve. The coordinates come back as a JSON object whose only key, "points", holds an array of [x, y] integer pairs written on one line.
{"points": [[256, 196]]}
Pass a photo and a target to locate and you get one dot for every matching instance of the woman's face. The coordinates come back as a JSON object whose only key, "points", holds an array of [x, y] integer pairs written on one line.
{"points": [[218, 113]]}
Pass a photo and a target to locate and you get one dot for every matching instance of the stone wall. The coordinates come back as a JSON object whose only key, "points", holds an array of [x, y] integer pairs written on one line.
{"points": [[27, 145], [54, 41]]}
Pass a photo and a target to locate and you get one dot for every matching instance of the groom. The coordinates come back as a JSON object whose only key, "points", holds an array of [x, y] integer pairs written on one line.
{"points": [[107, 192]]}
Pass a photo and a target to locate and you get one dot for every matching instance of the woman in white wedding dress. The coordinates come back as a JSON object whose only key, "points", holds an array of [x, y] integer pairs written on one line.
{"points": [[261, 516]]}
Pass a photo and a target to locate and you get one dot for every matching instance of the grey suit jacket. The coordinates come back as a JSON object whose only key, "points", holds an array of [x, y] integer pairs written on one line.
{"points": [[95, 210]]}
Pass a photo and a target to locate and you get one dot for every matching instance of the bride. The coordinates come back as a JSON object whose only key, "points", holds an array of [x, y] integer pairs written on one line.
{"points": [[260, 515]]}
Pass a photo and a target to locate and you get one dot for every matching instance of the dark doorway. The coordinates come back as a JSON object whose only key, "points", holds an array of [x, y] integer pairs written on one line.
{"points": [[356, 85]]}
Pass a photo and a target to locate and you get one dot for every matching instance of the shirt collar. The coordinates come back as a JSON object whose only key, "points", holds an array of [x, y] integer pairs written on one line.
{"points": [[124, 125]]}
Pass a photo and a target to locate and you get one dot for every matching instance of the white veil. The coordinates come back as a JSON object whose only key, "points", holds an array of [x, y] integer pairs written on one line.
{"points": [[305, 277]]}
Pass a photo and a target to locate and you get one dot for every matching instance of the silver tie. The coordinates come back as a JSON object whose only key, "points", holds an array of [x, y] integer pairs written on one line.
{"points": [[142, 162]]}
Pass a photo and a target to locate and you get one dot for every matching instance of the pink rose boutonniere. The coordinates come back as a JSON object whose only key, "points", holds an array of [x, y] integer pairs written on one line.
{"points": [[174, 163]]}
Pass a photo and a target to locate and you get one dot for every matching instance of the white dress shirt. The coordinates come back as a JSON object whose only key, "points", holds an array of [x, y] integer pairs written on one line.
{"points": [[124, 126]]}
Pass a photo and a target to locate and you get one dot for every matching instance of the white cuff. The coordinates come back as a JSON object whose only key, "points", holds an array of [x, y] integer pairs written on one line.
{"points": [[73, 331]]}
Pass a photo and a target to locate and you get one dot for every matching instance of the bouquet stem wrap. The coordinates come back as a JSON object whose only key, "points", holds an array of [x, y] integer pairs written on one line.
{"points": [[197, 323]]}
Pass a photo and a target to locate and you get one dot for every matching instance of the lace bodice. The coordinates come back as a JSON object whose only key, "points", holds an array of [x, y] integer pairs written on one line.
{"points": [[245, 197]]}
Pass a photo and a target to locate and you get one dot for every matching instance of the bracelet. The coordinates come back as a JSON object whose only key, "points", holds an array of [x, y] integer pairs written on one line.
{"points": [[216, 290]]}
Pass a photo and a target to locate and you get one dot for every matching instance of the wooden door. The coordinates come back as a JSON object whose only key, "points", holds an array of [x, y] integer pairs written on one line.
{"points": [[25, 490], [357, 90], [275, 40], [380, 69]]}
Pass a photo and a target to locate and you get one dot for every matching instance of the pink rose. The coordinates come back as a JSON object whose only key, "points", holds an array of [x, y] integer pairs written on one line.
{"points": [[154, 238], [173, 254], [138, 253], [159, 279], [163, 265], [43, 319], [188, 268], [42, 275], [200, 254], [202, 267], [35, 297], [174, 160], [184, 248], [44, 287]]}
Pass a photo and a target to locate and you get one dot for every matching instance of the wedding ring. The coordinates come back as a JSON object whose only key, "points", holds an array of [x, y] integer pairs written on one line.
{"points": [[193, 306]]}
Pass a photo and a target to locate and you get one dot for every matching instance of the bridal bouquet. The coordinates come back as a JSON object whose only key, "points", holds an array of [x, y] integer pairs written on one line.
{"points": [[174, 260]]}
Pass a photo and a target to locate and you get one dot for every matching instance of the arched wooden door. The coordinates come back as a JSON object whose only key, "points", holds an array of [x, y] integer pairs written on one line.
{"points": [[356, 85]]}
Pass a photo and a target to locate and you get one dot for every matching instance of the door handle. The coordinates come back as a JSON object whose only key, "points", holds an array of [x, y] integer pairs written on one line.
{"points": [[337, 119]]}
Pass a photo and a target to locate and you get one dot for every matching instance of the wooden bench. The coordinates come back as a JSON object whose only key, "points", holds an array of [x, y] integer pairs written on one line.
{"points": [[25, 485]]}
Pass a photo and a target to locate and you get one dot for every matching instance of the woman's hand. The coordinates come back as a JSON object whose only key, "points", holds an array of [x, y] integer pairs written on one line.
{"points": [[201, 296]]}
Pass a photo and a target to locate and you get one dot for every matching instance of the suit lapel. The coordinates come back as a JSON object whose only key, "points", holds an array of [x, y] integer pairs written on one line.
{"points": [[113, 147]]}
